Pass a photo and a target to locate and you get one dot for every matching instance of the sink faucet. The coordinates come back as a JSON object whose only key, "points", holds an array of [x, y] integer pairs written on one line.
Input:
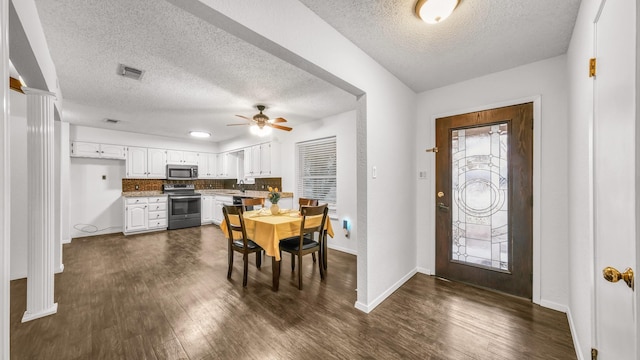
{"points": [[241, 183]]}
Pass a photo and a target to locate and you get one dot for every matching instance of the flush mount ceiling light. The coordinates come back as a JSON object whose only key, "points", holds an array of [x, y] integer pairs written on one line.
{"points": [[434, 11], [200, 134]]}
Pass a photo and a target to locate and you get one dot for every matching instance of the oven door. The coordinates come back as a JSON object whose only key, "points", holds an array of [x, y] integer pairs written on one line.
{"points": [[184, 211]]}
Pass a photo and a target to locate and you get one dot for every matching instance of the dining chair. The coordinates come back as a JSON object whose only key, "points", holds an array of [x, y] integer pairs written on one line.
{"points": [[304, 202], [303, 244], [252, 202], [244, 246]]}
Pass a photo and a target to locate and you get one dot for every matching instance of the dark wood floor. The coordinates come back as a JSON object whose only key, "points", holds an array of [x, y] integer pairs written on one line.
{"points": [[165, 296]]}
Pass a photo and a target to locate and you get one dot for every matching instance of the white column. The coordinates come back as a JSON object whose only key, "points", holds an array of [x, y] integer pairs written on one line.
{"points": [[5, 184], [40, 195], [58, 266]]}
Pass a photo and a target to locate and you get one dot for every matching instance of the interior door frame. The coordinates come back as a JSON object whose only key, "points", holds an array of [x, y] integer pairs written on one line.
{"points": [[431, 194]]}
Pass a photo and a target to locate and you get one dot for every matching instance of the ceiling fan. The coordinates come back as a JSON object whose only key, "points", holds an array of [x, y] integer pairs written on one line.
{"points": [[261, 121]]}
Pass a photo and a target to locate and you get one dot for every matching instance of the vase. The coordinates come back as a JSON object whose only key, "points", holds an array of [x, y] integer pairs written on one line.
{"points": [[275, 209]]}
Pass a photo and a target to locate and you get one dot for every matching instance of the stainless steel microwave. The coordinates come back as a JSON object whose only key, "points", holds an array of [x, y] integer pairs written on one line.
{"points": [[182, 172]]}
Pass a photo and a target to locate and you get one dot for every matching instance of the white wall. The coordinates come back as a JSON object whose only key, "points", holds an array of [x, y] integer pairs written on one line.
{"points": [[19, 218], [96, 204], [546, 78], [343, 127], [580, 193]]}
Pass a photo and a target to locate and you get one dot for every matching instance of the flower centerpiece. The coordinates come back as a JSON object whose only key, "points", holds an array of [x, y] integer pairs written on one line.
{"points": [[274, 197]]}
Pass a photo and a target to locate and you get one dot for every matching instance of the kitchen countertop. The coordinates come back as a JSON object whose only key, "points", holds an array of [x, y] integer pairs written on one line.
{"points": [[248, 193], [142, 193]]}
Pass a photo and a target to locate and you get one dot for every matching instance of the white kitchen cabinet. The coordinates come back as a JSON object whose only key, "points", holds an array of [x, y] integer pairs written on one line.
{"points": [[136, 162], [219, 202], [221, 164], [136, 215], [144, 163], [96, 150], [145, 214], [207, 166], [207, 209], [227, 165], [255, 160], [182, 157], [156, 163], [261, 161], [265, 159]]}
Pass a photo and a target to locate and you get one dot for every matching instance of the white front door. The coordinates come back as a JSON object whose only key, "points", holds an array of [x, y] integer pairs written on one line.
{"points": [[614, 162]]}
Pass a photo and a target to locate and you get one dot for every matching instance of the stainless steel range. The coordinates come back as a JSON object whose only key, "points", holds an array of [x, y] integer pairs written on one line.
{"points": [[184, 205]]}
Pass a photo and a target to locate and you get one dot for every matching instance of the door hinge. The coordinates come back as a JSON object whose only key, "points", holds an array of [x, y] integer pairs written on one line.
{"points": [[592, 67], [594, 354]]}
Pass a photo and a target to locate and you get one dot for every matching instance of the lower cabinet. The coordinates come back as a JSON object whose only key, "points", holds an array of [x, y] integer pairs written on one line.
{"points": [[144, 214], [207, 209], [218, 202]]}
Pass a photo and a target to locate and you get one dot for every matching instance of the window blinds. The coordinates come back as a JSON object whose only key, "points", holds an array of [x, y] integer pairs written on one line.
{"points": [[317, 171]]}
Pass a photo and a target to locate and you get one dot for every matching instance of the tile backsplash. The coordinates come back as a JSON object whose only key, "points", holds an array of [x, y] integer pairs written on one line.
{"points": [[201, 184]]}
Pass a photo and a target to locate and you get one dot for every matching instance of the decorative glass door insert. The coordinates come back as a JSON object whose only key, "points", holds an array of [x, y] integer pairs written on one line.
{"points": [[480, 189]]}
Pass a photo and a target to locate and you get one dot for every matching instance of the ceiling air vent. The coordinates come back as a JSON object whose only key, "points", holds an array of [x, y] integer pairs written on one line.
{"points": [[111, 121], [130, 72]]}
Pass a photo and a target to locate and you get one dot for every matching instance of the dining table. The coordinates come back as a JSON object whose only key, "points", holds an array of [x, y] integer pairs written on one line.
{"points": [[267, 229]]}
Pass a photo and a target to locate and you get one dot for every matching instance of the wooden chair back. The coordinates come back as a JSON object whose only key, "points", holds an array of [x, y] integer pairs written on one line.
{"points": [[252, 202], [307, 202], [309, 211], [237, 210]]}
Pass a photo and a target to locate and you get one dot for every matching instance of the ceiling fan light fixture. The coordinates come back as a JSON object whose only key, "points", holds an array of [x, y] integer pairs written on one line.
{"points": [[260, 131], [435, 11], [200, 134]]}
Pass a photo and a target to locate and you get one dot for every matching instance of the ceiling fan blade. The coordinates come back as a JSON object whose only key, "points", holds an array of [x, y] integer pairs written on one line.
{"points": [[279, 120], [244, 117], [237, 124], [285, 128]]}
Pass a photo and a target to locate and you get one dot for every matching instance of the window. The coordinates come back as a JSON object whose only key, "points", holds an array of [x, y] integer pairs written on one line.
{"points": [[316, 171]]}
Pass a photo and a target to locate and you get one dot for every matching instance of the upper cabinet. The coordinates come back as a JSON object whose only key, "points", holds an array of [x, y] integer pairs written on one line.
{"points": [[95, 150], [146, 163], [258, 161], [207, 166], [182, 157], [227, 165]]}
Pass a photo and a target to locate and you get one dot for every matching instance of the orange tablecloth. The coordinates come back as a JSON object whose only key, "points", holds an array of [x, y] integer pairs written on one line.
{"points": [[268, 230]]}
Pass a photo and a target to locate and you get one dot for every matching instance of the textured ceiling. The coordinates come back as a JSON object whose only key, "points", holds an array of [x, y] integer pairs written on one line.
{"points": [[197, 77], [480, 37]]}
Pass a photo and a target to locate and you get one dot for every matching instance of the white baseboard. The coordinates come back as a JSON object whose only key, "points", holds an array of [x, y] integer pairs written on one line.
{"points": [[367, 308], [343, 249], [66, 241], [425, 271], [59, 270], [574, 336], [553, 306], [32, 316]]}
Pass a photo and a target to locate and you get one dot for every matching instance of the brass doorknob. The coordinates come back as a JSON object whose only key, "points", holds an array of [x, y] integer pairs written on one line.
{"points": [[613, 275]]}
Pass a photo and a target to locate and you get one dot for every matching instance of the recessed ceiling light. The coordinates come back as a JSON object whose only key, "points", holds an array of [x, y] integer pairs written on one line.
{"points": [[200, 134], [434, 11]]}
